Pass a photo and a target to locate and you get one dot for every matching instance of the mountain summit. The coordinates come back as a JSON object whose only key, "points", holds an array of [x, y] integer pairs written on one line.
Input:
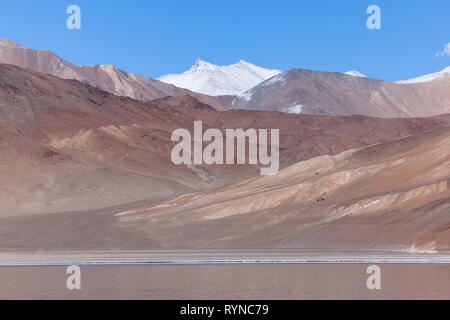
{"points": [[9, 44], [428, 78], [356, 73], [207, 78]]}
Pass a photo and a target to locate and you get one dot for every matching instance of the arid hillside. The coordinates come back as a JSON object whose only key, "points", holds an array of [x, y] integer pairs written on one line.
{"points": [[393, 195], [332, 93], [69, 146], [85, 169]]}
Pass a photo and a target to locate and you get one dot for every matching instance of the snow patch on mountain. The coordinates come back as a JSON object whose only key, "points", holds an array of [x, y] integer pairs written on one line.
{"points": [[427, 78], [214, 80], [295, 109], [355, 73], [247, 96], [277, 80]]}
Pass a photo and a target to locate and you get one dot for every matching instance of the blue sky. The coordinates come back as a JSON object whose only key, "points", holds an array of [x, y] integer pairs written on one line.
{"points": [[167, 36]]}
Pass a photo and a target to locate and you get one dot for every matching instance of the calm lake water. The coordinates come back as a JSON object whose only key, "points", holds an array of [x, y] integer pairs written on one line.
{"points": [[322, 281]]}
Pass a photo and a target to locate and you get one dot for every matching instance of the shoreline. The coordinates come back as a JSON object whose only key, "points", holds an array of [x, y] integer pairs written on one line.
{"points": [[211, 257]]}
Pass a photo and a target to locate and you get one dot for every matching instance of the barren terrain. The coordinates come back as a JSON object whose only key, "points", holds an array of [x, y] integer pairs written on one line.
{"points": [[82, 169]]}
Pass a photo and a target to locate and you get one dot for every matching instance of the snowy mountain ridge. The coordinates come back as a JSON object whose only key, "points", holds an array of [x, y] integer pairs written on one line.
{"points": [[355, 73], [427, 78], [207, 78]]}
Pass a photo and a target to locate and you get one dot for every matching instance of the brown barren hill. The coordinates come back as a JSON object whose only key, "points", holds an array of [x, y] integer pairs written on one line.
{"points": [[333, 93], [74, 156], [83, 144], [395, 195]]}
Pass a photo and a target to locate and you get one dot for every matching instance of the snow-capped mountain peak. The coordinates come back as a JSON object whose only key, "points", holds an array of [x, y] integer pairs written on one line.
{"points": [[428, 77], [207, 78], [201, 65], [356, 73]]}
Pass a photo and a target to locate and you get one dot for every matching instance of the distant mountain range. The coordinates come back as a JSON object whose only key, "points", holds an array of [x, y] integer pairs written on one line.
{"points": [[332, 93], [104, 77], [246, 86]]}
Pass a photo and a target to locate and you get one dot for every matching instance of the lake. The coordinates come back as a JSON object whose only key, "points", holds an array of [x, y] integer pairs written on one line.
{"points": [[280, 282]]}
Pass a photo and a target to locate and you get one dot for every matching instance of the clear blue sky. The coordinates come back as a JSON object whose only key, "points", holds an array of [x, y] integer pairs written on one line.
{"points": [[155, 37]]}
